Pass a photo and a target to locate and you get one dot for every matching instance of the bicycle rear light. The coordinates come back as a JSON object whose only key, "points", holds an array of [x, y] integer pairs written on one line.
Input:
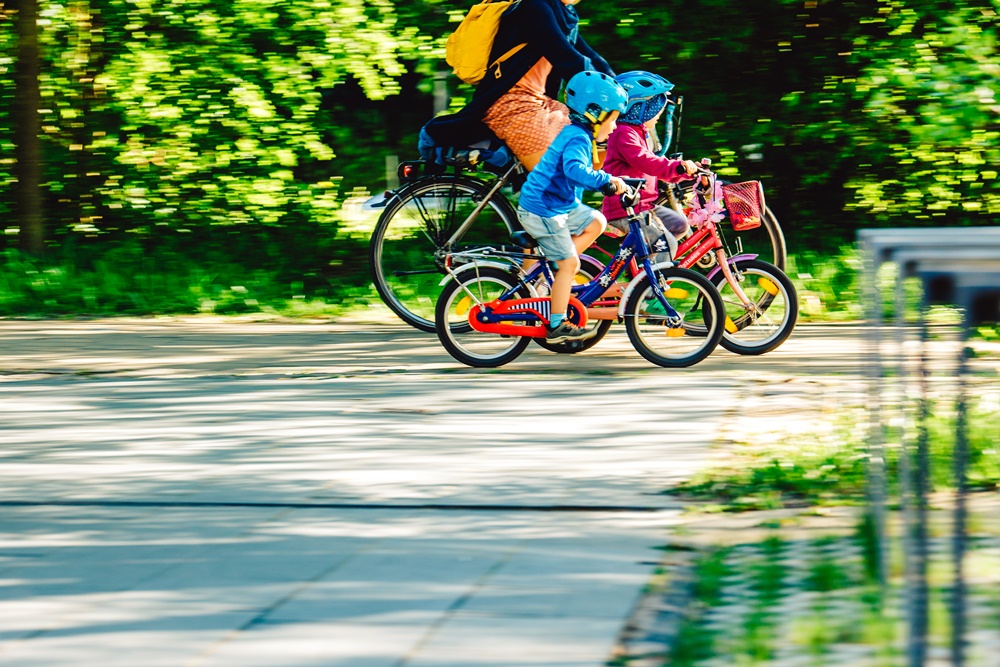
{"points": [[745, 204]]}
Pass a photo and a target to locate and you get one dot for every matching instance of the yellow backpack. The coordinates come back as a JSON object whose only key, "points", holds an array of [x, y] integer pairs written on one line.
{"points": [[468, 48]]}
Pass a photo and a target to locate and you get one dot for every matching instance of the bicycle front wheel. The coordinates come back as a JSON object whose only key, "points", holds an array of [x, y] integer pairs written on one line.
{"points": [[413, 231], [471, 347], [768, 320], [664, 337]]}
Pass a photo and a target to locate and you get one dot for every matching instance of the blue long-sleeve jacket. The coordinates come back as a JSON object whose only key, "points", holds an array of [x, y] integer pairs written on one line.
{"points": [[555, 186]]}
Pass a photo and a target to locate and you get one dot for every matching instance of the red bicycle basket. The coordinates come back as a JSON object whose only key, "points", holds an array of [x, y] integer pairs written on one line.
{"points": [[745, 204]]}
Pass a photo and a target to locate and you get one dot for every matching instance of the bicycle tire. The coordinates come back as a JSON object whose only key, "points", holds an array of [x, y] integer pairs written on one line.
{"points": [[475, 348], [693, 296], [590, 268], [750, 334], [416, 224]]}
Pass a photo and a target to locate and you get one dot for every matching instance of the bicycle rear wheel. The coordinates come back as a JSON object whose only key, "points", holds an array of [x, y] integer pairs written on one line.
{"points": [[408, 243], [664, 339], [773, 313], [471, 347]]}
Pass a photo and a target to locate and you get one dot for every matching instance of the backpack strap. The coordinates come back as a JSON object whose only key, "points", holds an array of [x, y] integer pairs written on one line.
{"points": [[496, 63]]}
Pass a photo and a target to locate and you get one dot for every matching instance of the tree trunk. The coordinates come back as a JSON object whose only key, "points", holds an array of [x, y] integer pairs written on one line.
{"points": [[27, 128]]}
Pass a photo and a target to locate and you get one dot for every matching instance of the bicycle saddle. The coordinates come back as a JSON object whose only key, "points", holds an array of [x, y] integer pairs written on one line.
{"points": [[523, 239]]}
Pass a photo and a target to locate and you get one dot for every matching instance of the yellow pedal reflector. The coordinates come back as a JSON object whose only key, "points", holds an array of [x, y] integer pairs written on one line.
{"points": [[462, 307], [675, 293], [676, 333], [730, 325], [767, 286]]}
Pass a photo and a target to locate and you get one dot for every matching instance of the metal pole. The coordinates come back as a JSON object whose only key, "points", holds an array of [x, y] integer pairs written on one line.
{"points": [[921, 479], [916, 644], [440, 92], [876, 465], [959, 526]]}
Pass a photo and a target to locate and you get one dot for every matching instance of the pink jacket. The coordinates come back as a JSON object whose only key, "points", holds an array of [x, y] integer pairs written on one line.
{"points": [[629, 156]]}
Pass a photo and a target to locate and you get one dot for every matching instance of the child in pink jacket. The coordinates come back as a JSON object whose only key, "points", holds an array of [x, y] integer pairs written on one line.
{"points": [[630, 156]]}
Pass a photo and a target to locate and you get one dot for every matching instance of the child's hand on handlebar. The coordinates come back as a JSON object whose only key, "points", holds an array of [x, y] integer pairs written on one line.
{"points": [[615, 186], [690, 167]]}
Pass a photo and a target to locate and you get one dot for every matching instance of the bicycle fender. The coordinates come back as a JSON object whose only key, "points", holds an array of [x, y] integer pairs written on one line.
{"points": [[732, 260], [627, 292], [472, 265]]}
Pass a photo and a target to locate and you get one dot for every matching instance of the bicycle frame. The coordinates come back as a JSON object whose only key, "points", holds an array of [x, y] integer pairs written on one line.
{"points": [[704, 240], [498, 183], [633, 245]]}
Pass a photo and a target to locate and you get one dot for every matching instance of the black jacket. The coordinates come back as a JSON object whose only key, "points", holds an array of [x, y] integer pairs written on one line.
{"points": [[550, 30]]}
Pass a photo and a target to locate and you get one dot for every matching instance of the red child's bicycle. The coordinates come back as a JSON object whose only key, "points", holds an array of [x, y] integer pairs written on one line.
{"points": [[760, 300]]}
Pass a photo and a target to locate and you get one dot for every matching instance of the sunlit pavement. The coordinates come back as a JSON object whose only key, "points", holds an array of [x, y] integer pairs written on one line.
{"points": [[208, 493]]}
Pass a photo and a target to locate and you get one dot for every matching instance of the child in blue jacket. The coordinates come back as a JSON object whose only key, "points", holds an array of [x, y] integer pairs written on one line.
{"points": [[551, 208]]}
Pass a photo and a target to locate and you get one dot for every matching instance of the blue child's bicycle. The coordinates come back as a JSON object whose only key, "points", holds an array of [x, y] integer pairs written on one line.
{"points": [[490, 308]]}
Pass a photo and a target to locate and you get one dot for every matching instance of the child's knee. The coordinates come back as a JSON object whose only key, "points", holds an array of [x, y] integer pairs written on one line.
{"points": [[570, 264], [598, 224]]}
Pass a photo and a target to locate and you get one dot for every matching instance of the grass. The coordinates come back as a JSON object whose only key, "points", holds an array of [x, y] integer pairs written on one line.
{"points": [[827, 467], [750, 608], [129, 281]]}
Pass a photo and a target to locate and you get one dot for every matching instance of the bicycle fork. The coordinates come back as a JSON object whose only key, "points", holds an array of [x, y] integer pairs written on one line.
{"points": [[727, 272]]}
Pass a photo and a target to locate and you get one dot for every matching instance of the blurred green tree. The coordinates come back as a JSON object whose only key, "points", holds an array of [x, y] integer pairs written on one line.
{"points": [[239, 128]]}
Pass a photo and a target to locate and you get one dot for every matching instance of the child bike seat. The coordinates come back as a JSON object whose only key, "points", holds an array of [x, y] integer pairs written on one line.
{"points": [[523, 239]]}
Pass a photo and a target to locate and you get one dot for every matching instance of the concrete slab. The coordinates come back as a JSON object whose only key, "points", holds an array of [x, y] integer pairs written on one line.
{"points": [[204, 493]]}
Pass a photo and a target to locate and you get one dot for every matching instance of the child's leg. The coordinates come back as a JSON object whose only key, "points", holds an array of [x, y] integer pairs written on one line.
{"points": [[590, 233], [662, 243], [562, 285], [674, 222]]}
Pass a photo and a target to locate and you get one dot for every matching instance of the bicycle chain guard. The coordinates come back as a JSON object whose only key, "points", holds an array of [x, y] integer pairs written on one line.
{"points": [[489, 317]]}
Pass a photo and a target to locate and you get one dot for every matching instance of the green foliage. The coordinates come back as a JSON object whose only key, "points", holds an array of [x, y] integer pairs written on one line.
{"points": [[829, 467], [166, 120], [928, 101], [133, 279]]}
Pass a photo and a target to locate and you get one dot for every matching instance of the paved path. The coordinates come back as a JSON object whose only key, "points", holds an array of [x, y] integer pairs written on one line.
{"points": [[210, 493]]}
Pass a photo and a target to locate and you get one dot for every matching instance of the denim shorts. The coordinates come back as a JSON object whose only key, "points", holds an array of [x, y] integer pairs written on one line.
{"points": [[555, 234]]}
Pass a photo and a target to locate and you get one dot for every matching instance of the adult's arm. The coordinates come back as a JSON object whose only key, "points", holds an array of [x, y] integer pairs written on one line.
{"points": [[543, 32], [596, 61]]}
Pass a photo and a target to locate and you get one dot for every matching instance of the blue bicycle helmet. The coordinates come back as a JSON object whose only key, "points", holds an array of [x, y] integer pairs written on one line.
{"points": [[647, 95], [593, 96]]}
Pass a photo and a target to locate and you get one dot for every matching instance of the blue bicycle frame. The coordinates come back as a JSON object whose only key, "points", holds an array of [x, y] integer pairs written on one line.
{"points": [[634, 244]]}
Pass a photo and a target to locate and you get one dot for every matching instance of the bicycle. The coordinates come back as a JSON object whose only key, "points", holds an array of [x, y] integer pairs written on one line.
{"points": [[489, 311], [760, 313], [430, 215], [433, 213]]}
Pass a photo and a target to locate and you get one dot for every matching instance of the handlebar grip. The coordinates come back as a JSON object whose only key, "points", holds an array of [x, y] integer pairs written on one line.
{"points": [[609, 189], [630, 198]]}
